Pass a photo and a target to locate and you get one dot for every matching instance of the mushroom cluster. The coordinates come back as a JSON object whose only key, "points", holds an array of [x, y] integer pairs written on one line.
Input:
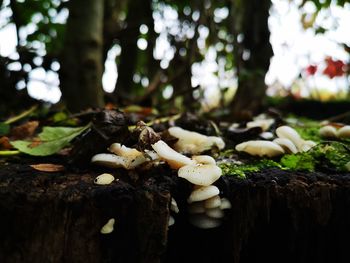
{"points": [[122, 157], [288, 141], [200, 170], [329, 131], [205, 206], [190, 142]]}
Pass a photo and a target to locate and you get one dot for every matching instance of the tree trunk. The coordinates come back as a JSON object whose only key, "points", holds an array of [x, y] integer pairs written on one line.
{"points": [[138, 11], [81, 60], [256, 51]]}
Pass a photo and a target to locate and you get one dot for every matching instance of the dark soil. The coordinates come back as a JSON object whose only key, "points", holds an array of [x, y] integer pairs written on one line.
{"points": [[276, 216]]}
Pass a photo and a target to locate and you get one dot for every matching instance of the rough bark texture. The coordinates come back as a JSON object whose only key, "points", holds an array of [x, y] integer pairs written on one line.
{"points": [[57, 218], [81, 60], [276, 216], [253, 57]]}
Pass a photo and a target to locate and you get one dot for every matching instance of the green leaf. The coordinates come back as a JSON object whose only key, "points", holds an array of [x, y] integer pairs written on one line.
{"points": [[4, 128], [51, 140]]}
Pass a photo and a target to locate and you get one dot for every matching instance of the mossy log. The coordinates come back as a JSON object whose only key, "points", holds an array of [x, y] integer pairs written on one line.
{"points": [[276, 216]]}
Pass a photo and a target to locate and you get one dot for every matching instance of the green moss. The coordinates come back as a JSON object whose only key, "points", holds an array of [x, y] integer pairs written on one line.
{"points": [[300, 161], [334, 155], [240, 170]]}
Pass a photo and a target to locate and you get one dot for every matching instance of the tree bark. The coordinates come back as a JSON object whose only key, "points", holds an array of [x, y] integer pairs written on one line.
{"points": [[252, 24], [57, 217], [276, 216], [138, 14], [81, 60]]}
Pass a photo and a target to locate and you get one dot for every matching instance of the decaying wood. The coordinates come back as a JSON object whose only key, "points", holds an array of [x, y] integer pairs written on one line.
{"points": [[276, 215]]}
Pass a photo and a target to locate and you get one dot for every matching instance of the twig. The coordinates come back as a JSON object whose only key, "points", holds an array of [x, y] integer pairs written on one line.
{"points": [[22, 115]]}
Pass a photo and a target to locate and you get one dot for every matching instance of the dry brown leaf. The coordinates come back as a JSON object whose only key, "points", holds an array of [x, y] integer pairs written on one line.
{"points": [[24, 131], [48, 167], [5, 143], [36, 142]]}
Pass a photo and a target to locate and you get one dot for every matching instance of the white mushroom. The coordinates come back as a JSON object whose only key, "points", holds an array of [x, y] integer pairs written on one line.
{"points": [[264, 124], [171, 221], [307, 145], [225, 204], [203, 221], [328, 131], [194, 142], [203, 193], [196, 208], [151, 155], [172, 157], [266, 135], [122, 150], [173, 206], [215, 212], [104, 179], [212, 202], [260, 148], [344, 132], [287, 145], [123, 156], [108, 227], [290, 134], [200, 174], [204, 159]]}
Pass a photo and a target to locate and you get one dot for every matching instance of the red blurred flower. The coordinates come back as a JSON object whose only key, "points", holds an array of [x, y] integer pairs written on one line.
{"points": [[334, 68], [311, 70]]}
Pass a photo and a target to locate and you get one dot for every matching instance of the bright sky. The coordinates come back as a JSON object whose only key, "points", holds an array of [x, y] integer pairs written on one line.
{"points": [[294, 49]]}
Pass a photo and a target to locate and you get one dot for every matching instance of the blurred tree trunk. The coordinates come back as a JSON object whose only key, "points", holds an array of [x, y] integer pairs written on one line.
{"points": [[250, 18], [81, 59], [139, 12]]}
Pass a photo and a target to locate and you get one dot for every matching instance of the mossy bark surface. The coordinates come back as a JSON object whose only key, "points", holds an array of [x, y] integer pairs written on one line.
{"points": [[279, 216]]}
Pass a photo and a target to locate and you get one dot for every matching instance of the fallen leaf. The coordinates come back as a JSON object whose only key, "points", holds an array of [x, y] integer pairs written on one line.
{"points": [[5, 143], [25, 130], [48, 167], [50, 141]]}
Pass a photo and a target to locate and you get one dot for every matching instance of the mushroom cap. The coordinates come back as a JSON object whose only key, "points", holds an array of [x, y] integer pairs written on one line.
{"points": [[104, 179], [264, 124], [204, 159], [172, 157], [266, 135], [287, 145], [212, 202], [173, 206], [344, 132], [260, 148], [225, 204], [122, 150], [194, 142], [328, 131], [196, 208], [215, 212], [108, 160], [171, 221], [307, 145], [200, 174], [108, 227], [288, 132], [203, 221], [114, 161], [203, 193]]}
